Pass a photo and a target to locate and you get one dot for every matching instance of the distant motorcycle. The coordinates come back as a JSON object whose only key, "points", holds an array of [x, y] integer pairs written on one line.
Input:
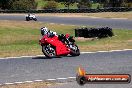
{"points": [[61, 45], [31, 17]]}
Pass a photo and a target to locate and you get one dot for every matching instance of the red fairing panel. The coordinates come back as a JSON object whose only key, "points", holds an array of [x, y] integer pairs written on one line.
{"points": [[61, 48]]}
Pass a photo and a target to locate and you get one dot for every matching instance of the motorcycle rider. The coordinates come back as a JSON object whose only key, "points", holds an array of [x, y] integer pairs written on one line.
{"points": [[46, 31], [63, 38]]}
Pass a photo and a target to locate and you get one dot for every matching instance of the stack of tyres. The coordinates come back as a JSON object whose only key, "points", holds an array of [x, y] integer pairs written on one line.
{"points": [[79, 33], [94, 32]]}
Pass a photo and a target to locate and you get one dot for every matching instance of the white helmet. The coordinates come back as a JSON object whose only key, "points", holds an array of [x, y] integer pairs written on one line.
{"points": [[44, 30], [54, 33]]}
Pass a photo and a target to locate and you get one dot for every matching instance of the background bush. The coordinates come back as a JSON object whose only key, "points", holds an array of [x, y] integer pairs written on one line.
{"points": [[50, 5], [23, 5], [83, 4]]}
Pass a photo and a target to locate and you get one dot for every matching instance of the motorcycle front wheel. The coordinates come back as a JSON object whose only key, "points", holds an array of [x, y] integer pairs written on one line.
{"points": [[27, 19], [75, 50], [48, 51], [35, 19]]}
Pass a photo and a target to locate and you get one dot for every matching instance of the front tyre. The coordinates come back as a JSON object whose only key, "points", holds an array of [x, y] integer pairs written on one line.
{"points": [[27, 18], [81, 80], [49, 51], [35, 19], [74, 50]]}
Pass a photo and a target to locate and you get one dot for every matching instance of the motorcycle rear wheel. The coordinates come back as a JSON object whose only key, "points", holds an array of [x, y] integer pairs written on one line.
{"points": [[48, 51], [75, 51]]}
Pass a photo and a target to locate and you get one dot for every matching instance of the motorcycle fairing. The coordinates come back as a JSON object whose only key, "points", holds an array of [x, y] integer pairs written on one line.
{"points": [[61, 48]]}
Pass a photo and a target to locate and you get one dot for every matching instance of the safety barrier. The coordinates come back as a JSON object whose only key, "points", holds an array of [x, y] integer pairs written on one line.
{"points": [[94, 32]]}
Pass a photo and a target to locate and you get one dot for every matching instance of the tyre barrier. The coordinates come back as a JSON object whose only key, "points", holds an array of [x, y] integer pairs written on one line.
{"points": [[94, 32]]}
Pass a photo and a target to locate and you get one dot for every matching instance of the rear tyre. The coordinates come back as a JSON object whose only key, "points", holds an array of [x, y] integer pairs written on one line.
{"points": [[75, 51], [49, 51]]}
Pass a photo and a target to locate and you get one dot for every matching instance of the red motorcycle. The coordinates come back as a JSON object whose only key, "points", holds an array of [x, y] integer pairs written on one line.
{"points": [[61, 45]]}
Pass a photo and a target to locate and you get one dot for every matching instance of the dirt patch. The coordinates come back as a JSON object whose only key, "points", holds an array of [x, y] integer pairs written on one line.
{"points": [[31, 85], [84, 39]]}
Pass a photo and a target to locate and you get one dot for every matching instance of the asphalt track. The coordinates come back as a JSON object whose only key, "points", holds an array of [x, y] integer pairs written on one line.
{"points": [[97, 22], [40, 68]]}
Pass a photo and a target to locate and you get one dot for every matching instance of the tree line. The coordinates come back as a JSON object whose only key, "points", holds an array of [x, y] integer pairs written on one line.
{"points": [[116, 3], [18, 4], [52, 4], [104, 3]]}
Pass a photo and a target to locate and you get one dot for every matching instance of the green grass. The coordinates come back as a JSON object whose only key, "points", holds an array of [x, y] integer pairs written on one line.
{"points": [[95, 5], [21, 38]]}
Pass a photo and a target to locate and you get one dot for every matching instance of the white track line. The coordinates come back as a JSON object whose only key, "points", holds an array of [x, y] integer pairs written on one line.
{"points": [[28, 81], [50, 79], [62, 24], [119, 18], [102, 51], [108, 51], [61, 78], [18, 82], [81, 53], [115, 50], [38, 81], [95, 17], [71, 77], [8, 83], [52, 23], [127, 49]]}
